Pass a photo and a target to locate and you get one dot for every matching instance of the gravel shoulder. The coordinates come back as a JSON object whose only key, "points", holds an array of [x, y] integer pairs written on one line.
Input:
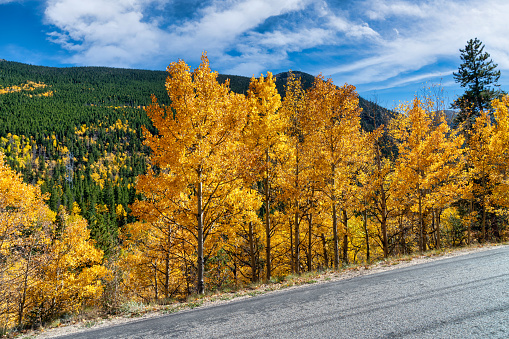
{"points": [[213, 300]]}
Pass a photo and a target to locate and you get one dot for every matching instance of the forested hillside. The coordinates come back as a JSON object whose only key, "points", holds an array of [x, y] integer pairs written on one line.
{"points": [[77, 132]]}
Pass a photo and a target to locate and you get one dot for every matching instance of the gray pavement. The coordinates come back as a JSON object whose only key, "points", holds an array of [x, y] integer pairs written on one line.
{"points": [[461, 297]]}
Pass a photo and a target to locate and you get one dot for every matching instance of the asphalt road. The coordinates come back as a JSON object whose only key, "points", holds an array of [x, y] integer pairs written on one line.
{"points": [[461, 297]]}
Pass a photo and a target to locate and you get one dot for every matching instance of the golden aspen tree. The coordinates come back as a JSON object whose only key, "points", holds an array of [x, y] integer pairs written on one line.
{"points": [[336, 141], [264, 136], [488, 150], [240, 241], [150, 246], [479, 165], [428, 160], [242, 206], [378, 171], [48, 268], [25, 233], [296, 179], [197, 150], [150, 260], [372, 193], [72, 269], [499, 148], [379, 185]]}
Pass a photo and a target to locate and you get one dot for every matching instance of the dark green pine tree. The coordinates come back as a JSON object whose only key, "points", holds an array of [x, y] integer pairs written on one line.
{"points": [[479, 76]]}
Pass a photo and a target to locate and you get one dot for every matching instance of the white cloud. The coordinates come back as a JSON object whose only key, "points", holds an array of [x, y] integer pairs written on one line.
{"points": [[291, 40], [428, 32], [109, 32], [417, 79], [120, 33], [319, 26], [342, 25], [382, 9], [220, 28], [102, 32], [226, 23], [372, 41]]}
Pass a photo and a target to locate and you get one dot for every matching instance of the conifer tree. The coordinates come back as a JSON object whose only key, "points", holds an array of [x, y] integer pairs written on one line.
{"points": [[479, 76]]}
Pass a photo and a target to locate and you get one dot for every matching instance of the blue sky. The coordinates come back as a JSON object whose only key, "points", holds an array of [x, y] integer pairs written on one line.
{"points": [[389, 49]]}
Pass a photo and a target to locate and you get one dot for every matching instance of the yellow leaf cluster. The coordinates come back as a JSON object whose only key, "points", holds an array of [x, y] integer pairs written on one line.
{"points": [[49, 265]]}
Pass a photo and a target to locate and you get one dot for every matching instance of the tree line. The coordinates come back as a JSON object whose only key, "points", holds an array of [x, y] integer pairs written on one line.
{"points": [[77, 133], [243, 188]]}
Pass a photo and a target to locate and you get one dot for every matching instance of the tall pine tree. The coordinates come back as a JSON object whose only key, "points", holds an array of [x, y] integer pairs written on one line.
{"points": [[479, 76]]}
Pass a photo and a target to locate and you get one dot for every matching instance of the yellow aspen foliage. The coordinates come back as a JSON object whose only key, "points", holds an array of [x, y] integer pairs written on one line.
{"points": [[198, 157], [499, 150], [296, 180], [265, 138], [429, 166], [337, 143], [120, 212], [376, 190], [48, 267], [487, 173], [150, 261], [28, 87], [243, 241], [25, 233], [452, 225], [480, 167], [72, 269]]}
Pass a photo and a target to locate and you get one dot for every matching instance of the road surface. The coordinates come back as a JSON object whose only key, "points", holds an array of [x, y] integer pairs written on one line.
{"points": [[460, 297]]}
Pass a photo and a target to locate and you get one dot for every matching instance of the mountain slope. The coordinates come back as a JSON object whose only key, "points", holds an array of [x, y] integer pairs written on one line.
{"points": [[77, 132]]}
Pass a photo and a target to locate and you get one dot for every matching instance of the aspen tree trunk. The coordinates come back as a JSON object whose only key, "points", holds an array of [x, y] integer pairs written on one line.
{"points": [[439, 239], [292, 260], [156, 290], [188, 287], [297, 242], [167, 274], [421, 226], [469, 230], [267, 220], [483, 227], [401, 235], [201, 285], [335, 222], [310, 257], [383, 206], [252, 253], [325, 255], [167, 266], [335, 235], [235, 270], [297, 231], [345, 238], [22, 302], [366, 235], [384, 227], [433, 226]]}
